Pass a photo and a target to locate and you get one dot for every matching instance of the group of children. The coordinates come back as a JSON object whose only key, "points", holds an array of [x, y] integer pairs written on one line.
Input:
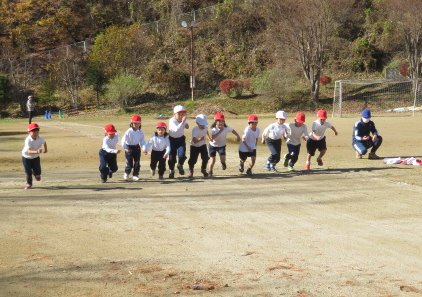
{"points": [[169, 143]]}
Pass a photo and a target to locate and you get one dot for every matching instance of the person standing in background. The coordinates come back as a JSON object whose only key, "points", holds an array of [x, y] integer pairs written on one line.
{"points": [[30, 106]]}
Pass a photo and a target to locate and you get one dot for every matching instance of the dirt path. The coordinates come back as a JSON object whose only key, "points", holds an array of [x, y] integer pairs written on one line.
{"points": [[346, 229]]}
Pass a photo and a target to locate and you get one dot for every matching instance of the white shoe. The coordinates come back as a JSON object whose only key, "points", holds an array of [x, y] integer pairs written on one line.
{"points": [[125, 176], [135, 178]]}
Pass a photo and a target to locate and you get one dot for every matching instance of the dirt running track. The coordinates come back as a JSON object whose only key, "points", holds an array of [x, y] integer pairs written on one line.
{"points": [[349, 228]]}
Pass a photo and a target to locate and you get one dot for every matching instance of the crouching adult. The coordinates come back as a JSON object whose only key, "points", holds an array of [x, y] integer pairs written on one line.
{"points": [[365, 136]]}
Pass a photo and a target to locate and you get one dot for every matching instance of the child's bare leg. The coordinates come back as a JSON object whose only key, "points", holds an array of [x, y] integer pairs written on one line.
{"points": [[252, 164], [308, 159], [211, 163], [223, 161], [321, 154]]}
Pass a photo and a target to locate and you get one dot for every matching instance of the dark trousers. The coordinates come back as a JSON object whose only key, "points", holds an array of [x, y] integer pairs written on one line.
{"points": [[274, 145], [177, 150], [108, 163], [293, 154], [194, 153], [133, 159], [362, 146], [31, 166], [30, 116], [157, 158]]}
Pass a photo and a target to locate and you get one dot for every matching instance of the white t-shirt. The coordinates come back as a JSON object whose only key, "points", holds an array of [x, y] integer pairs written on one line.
{"points": [[159, 144], [250, 137], [32, 144], [198, 133], [294, 133], [319, 129], [176, 128], [274, 131], [133, 137], [220, 140], [109, 144]]}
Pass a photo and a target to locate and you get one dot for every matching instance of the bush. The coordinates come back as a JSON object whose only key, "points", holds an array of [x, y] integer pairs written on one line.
{"points": [[324, 80], [123, 89], [231, 87]]}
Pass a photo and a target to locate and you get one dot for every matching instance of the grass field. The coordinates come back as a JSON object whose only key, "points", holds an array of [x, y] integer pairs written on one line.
{"points": [[348, 228]]}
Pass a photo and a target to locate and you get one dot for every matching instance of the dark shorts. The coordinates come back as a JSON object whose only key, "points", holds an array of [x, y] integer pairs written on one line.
{"points": [[244, 155], [313, 145], [221, 150]]}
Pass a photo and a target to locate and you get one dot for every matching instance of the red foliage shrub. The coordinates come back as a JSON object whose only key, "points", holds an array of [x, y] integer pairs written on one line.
{"points": [[324, 80], [231, 87], [404, 69]]}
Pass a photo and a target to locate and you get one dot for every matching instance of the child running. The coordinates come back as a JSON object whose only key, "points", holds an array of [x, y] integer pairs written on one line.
{"points": [[160, 149], [108, 153], [317, 139], [295, 132], [198, 145], [132, 141], [34, 145], [273, 135], [219, 131], [247, 146], [177, 126]]}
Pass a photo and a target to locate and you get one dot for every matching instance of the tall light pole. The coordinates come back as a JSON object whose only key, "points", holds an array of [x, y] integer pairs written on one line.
{"points": [[192, 54]]}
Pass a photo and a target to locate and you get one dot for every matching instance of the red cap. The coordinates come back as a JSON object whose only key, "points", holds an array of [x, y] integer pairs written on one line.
{"points": [[32, 126], [322, 114], [300, 117], [161, 125], [252, 118], [135, 118], [219, 116], [109, 128]]}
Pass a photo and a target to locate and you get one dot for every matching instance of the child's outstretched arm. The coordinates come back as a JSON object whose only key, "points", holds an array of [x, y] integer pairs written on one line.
{"points": [[45, 148], [335, 131], [237, 135]]}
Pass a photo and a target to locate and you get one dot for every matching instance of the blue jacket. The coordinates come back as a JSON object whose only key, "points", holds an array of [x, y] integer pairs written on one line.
{"points": [[362, 129]]}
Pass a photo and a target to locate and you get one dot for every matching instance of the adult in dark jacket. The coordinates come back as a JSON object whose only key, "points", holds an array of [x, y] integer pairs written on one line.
{"points": [[365, 136]]}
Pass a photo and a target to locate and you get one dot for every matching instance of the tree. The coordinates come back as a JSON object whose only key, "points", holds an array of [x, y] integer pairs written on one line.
{"points": [[407, 15], [96, 78], [307, 37]]}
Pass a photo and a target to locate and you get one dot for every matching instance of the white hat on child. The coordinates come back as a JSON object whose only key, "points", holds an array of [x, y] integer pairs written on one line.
{"points": [[281, 114], [201, 119], [179, 108]]}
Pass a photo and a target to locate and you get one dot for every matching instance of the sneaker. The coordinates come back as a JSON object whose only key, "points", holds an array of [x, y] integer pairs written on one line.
{"points": [[286, 160], [267, 166], [358, 156], [249, 171], [373, 156], [241, 167], [319, 161], [210, 173], [152, 172], [103, 180], [38, 177], [125, 176], [290, 168], [110, 174], [190, 173], [28, 186], [135, 178], [181, 170], [160, 176], [223, 165], [307, 166], [171, 175], [204, 172]]}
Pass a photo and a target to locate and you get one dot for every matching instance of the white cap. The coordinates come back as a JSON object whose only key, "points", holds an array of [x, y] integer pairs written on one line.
{"points": [[281, 114], [178, 108], [201, 119]]}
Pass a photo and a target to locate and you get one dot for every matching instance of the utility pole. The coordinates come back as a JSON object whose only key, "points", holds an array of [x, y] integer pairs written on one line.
{"points": [[192, 56]]}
